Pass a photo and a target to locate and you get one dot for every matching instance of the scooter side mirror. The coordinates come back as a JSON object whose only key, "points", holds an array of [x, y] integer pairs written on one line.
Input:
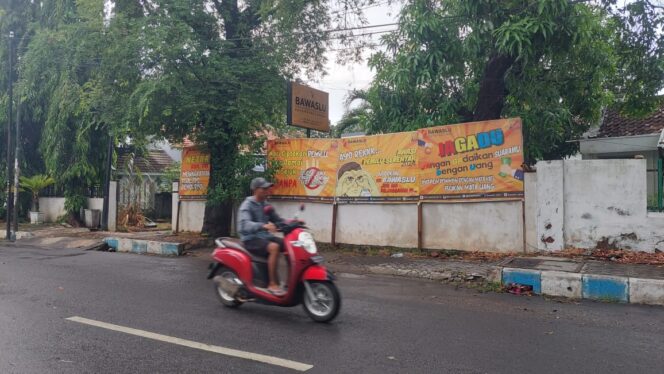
{"points": [[268, 209], [301, 207]]}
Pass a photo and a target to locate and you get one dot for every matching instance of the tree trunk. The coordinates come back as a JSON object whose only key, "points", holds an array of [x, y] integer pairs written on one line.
{"points": [[491, 98], [219, 211], [218, 219]]}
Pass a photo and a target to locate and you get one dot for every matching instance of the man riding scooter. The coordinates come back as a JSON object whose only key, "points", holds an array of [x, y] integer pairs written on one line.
{"points": [[257, 228]]}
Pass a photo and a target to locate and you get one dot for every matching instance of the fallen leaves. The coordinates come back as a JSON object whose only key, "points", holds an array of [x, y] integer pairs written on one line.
{"points": [[614, 255]]}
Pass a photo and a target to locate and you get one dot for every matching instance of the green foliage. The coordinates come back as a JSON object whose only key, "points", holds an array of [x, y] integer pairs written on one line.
{"points": [[75, 75], [555, 63], [211, 70], [74, 202], [221, 78], [35, 184], [171, 174]]}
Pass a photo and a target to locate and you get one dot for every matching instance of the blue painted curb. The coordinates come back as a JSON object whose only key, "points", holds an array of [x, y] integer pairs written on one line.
{"points": [[171, 249], [145, 246], [606, 288], [112, 242], [593, 286], [526, 277]]}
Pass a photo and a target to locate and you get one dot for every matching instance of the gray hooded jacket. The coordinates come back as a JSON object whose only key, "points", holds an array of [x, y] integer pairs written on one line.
{"points": [[251, 219]]}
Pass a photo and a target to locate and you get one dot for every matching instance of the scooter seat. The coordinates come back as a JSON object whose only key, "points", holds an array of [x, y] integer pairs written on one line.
{"points": [[237, 244]]}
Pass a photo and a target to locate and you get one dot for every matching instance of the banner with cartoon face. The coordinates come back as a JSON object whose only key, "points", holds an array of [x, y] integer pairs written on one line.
{"points": [[475, 160], [479, 160], [307, 168], [378, 168]]}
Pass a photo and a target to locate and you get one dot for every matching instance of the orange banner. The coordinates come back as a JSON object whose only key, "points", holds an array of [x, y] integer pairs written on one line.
{"points": [[378, 168], [306, 168], [472, 160], [194, 174]]}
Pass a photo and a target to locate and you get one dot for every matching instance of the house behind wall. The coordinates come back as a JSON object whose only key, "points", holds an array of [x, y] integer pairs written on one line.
{"points": [[619, 137], [142, 177]]}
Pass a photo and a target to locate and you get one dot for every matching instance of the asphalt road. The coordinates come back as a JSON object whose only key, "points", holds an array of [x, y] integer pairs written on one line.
{"points": [[386, 325]]}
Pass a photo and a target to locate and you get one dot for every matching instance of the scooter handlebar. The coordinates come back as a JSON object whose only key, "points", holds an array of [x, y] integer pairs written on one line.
{"points": [[289, 226]]}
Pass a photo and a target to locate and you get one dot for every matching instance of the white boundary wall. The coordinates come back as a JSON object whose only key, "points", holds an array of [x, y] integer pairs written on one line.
{"points": [[592, 203], [577, 203], [54, 207]]}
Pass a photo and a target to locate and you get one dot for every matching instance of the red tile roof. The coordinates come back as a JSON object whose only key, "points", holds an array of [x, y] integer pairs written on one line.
{"points": [[614, 125]]}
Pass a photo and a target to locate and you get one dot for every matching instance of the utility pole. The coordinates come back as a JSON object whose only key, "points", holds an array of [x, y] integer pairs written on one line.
{"points": [[107, 183], [17, 168], [9, 137]]}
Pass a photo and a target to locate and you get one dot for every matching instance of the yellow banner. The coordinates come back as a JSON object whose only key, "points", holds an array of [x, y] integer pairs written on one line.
{"points": [[472, 160], [194, 174], [378, 168], [306, 168]]}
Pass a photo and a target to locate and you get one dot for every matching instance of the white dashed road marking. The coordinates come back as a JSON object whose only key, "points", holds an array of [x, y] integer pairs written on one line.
{"points": [[276, 361]]}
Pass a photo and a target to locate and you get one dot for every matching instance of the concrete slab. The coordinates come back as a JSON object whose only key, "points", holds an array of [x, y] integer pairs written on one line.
{"points": [[560, 283], [646, 291], [125, 245], [495, 274], [154, 247], [624, 270], [568, 266]]}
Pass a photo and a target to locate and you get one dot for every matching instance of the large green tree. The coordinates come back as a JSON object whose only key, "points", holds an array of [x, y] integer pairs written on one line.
{"points": [[95, 70], [76, 69], [216, 71], [555, 63], [18, 17]]}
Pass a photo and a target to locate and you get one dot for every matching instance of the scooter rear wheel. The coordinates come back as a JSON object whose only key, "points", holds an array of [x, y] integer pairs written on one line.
{"points": [[326, 303], [223, 296]]}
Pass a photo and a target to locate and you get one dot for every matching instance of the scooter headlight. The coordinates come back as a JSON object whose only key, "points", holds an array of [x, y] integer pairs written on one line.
{"points": [[306, 241]]}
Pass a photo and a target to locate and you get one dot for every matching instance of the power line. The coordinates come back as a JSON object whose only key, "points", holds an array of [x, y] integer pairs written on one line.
{"points": [[362, 8]]}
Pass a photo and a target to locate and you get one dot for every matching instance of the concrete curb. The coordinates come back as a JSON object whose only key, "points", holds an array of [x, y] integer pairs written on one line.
{"points": [[588, 286], [560, 283], [646, 291], [525, 277], [555, 281], [145, 246], [606, 288], [19, 235]]}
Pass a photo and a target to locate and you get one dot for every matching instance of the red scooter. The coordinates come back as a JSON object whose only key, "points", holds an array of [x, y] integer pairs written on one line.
{"points": [[241, 277]]}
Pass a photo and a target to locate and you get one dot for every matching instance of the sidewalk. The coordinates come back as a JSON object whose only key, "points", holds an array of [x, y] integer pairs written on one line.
{"points": [[541, 275], [153, 242]]}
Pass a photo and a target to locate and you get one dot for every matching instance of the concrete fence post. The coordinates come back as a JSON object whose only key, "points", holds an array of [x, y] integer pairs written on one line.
{"points": [[113, 206], [175, 198], [550, 206]]}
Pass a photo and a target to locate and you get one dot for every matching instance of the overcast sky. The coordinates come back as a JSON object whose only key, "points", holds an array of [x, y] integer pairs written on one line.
{"points": [[342, 79]]}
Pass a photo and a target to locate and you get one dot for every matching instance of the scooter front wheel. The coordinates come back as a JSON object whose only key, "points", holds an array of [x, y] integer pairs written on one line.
{"points": [[321, 301], [224, 296]]}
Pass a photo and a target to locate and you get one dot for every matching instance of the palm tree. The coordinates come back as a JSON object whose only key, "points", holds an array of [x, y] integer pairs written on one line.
{"points": [[355, 119], [35, 184]]}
